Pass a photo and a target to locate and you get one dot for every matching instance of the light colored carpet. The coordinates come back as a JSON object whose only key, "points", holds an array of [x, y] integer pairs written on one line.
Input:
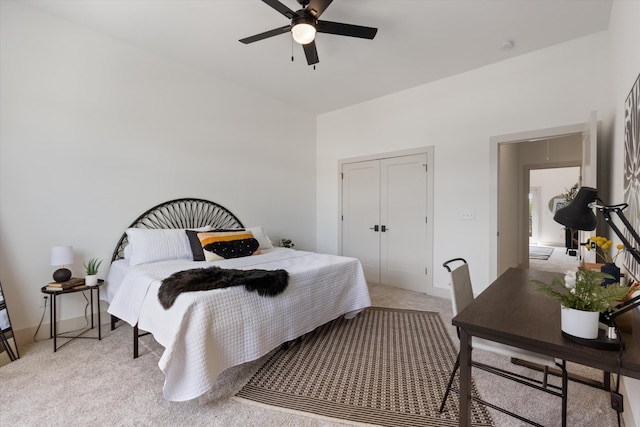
{"points": [[386, 367], [559, 262], [540, 252], [97, 383]]}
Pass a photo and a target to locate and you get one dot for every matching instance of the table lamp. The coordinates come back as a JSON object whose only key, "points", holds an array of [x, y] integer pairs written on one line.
{"points": [[61, 256], [579, 215]]}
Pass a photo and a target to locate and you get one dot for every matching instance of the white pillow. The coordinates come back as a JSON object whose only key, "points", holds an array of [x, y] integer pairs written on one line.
{"points": [[153, 245], [260, 235], [127, 252]]}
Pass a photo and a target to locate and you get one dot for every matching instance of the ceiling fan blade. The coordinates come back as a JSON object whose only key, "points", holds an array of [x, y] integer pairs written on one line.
{"points": [[288, 13], [346, 29], [266, 34], [311, 53], [316, 7]]}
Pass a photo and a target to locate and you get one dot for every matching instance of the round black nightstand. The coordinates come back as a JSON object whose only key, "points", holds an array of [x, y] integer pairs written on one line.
{"points": [[55, 293]]}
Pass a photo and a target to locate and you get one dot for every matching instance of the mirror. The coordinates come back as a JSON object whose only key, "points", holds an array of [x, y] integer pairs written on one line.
{"points": [[8, 347]]}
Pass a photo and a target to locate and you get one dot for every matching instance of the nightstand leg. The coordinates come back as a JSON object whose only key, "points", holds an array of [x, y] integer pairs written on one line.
{"points": [[91, 297], [51, 317], [99, 322], [53, 322]]}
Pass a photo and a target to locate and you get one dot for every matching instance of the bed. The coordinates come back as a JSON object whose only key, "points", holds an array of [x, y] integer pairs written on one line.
{"points": [[203, 333]]}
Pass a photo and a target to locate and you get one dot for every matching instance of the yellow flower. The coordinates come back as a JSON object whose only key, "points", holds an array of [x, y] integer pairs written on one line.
{"points": [[604, 244]]}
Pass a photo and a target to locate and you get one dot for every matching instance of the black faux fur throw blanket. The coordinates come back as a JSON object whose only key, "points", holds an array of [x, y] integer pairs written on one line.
{"points": [[265, 282]]}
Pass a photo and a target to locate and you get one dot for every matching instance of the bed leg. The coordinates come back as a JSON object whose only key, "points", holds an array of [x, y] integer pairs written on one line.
{"points": [[114, 320], [287, 345], [135, 341]]}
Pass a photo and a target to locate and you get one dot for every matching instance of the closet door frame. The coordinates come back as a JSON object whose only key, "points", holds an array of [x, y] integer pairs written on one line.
{"points": [[429, 151]]}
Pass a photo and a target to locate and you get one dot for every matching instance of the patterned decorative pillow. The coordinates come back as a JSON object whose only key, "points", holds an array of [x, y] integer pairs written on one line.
{"points": [[222, 244]]}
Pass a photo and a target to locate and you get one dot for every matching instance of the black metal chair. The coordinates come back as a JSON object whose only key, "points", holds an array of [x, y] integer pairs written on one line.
{"points": [[461, 296]]}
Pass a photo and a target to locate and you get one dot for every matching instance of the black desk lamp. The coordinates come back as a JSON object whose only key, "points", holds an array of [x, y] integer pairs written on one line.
{"points": [[579, 215]]}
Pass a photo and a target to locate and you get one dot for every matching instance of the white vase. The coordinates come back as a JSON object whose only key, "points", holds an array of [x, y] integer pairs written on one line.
{"points": [[582, 324], [91, 280]]}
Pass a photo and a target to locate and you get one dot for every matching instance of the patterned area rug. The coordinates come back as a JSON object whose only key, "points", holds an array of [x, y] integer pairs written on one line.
{"points": [[385, 367], [540, 252]]}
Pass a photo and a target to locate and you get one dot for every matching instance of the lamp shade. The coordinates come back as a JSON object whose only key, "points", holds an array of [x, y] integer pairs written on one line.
{"points": [[579, 214], [61, 255]]}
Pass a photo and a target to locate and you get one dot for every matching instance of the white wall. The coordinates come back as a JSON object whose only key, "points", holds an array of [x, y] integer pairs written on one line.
{"points": [[557, 86], [95, 131], [625, 67]]}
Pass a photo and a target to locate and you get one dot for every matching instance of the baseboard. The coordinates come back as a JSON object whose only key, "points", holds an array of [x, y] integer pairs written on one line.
{"points": [[440, 292], [551, 244], [26, 336]]}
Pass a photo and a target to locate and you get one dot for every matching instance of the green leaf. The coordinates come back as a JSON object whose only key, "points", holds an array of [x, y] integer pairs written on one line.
{"points": [[588, 294]]}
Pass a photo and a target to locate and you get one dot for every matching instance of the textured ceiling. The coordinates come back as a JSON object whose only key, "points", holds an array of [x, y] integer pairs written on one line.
{"points": [[418, 41]]}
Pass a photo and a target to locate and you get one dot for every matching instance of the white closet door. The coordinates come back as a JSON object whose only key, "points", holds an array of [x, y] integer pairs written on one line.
{"points": [[384, 220], [361, 215], [403, 236]]}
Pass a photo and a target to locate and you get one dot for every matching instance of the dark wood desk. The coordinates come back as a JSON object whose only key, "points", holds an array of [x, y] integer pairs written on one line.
{"points": [[512, 312]]}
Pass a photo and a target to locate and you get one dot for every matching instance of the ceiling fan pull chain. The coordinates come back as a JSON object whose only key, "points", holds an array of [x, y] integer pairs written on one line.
{"points": [[292, 50]]}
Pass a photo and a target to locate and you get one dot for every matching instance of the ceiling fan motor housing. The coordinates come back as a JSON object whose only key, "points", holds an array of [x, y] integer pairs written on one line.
{"points": [[303, 18]]}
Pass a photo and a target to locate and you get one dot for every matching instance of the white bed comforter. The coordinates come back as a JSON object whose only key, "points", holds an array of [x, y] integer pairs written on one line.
{"points": [[204, 333]]}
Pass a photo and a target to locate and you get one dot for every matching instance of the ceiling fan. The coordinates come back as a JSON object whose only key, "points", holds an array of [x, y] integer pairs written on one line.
{"points": [[305, 23]]}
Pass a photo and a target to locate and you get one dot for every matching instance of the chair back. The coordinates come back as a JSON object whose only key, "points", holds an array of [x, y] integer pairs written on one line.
{"points": [[461, 289]]}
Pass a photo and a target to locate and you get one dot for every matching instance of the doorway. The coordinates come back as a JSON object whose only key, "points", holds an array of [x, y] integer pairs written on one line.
{"points": [[512, 157]]}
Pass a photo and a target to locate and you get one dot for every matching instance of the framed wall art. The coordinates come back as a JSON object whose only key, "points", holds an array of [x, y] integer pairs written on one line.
{"points": [[632, 170]]}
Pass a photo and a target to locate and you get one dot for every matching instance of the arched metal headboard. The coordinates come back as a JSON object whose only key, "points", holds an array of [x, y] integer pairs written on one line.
{"points": [[180, 213]]}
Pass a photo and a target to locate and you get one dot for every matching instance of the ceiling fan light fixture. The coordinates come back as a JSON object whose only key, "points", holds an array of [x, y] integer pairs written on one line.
{"points": [[303, 30]]}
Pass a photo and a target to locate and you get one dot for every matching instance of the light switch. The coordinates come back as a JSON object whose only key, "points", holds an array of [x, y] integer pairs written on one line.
{"points": [[468, 215]]}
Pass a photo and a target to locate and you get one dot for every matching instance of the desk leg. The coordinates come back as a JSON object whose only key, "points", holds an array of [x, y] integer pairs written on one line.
{"points": [[465, 378], [565, 392]]}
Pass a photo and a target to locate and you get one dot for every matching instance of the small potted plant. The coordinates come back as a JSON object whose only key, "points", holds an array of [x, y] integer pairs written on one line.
{"points": [[286, 243], [582, 298], [91, 268]]}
